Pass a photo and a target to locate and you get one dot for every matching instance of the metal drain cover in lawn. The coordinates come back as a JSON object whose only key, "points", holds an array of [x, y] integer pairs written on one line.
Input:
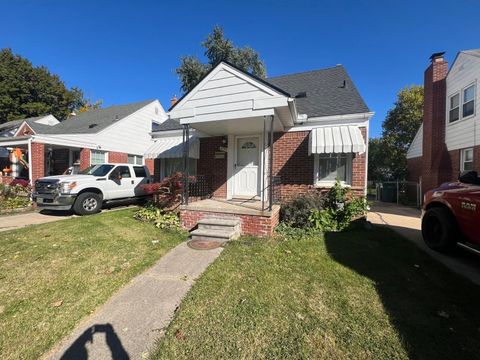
{"points": [[204, 244]]}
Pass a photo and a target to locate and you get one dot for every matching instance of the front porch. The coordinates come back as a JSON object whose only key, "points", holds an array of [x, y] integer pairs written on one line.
{"points": [[253, 219]]}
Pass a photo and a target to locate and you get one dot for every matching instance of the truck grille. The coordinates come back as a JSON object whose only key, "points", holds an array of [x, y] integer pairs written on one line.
{"points": [[46, 187]]}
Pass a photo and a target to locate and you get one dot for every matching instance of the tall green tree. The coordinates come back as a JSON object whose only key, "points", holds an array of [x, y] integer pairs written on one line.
{"points": [[388, 155], [26, 90], [218, 48]]}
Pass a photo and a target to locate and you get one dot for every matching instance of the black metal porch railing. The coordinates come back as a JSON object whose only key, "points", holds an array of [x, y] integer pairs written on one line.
{"points": [[201, 187], [276, 188]]}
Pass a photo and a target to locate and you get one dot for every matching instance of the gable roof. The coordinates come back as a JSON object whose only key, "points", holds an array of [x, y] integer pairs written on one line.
{"points": [[93, 121], [37, 127], [329, 92], [253, 77]]}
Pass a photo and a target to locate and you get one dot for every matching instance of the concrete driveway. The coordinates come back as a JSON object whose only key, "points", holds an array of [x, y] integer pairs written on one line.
{"points": [[17, 221], [407, 222]]}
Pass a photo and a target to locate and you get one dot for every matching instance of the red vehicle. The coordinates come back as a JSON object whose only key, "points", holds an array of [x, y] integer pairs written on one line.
{"points": [[452, 214]]}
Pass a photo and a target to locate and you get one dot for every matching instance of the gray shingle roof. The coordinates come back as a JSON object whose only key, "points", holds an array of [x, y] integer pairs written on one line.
{"points": [[11, 124], [169, 124], [326, 93], [38, 128], [93, 121], [474, 52]]}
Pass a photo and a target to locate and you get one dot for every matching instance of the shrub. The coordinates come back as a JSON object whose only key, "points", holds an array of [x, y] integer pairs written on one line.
{"points": [[341, 207], [296, 212], [16, 195], [168, 192], [160, 218]]}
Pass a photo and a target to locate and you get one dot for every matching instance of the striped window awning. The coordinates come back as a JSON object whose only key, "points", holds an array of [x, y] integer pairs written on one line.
{"points": [[336, 139], [172, 147]]}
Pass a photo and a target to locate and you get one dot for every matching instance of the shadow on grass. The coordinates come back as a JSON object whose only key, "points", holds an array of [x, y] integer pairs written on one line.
{"points": [[435, 311], [78, 350]]}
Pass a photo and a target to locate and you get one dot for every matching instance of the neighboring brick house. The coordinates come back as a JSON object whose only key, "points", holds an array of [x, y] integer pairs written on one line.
{"points": [[319, 124], [447, 143], [116, 134]]}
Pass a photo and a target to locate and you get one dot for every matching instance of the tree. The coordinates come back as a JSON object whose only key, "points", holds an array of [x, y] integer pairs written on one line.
{"points": [[387, 155], [27, 91], [217, 48], [82, 104]]}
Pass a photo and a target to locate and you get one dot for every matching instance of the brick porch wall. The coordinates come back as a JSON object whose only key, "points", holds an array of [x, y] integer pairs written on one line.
{"points": [[208, 165], [117, 157], [251, 224], [84, 158], [38, 161]]}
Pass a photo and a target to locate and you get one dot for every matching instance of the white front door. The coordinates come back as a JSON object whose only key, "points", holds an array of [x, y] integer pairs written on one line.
{"points": [[247, 156]]}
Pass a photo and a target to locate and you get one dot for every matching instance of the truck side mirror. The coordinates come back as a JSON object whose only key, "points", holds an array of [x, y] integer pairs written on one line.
{"points": [[469, 177]]}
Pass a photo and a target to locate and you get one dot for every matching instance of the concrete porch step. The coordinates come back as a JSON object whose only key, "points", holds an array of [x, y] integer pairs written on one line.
{"points": [[214, 234], [225, 224]]}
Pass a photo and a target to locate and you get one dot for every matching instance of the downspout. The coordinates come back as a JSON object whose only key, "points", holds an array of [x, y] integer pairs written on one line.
{"points": [[30, 165]]}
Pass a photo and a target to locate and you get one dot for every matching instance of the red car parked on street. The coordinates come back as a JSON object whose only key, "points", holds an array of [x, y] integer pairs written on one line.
{"points": [[452, 214]]}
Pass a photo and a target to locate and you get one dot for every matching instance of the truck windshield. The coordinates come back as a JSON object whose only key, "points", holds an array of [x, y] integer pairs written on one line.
{"points": [[98, 170]]}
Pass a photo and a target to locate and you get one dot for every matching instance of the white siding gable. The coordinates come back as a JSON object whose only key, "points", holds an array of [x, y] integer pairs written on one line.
{"points": [[416, 147], [132, 133], [464, 72], [228, 91]]}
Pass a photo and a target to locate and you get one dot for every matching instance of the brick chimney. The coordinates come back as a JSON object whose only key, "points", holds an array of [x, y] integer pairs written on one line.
{"points": [[173, 100], [435, 162]]}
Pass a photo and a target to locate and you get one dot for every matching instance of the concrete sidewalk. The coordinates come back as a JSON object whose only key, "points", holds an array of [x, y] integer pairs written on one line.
{"points": [[17, 221], [128, 325], [407, 222]]}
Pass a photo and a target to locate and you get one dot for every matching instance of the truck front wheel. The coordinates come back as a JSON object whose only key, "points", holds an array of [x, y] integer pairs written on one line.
{"points": [[87, 203], [439, 229]]}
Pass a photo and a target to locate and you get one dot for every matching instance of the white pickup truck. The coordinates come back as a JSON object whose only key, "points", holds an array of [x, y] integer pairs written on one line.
{"points": [[86, 192]]}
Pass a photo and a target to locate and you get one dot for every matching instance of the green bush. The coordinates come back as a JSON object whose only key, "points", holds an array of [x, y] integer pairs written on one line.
{"points": [[160, 218], [296, 212], [340, 208]]}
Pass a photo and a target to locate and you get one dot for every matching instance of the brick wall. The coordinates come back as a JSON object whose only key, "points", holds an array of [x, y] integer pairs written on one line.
{"points": [[251, 224], [414, 166], [295, 167], [84, 158], [149, 163], [208, 165], [38, 161], [117, 157]]}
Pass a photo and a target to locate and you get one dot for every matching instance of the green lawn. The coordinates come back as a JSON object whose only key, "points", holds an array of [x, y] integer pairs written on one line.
{"points": [[53, 275], [354, 295]]}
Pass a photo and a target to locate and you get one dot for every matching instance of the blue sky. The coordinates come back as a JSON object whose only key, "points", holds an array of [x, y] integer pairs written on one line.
{"points": [[125, 51]]}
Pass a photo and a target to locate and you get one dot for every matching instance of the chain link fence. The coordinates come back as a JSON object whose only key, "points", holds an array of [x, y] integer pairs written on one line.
{"points": [[407, 193]]}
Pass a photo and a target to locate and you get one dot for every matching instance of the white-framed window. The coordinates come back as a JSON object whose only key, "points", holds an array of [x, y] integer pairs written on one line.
{"points": [[468, 107], [466, 159], [330, 167], [135, 159], [98, 157], [454, 108]]}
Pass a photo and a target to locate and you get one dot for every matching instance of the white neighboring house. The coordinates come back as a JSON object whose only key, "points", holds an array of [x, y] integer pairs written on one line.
{"points": [[455, 146], [116, 134]]}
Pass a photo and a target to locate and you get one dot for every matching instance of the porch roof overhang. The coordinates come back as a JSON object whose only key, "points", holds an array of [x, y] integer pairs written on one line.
{"points": [[336, 139], [172, 147], [43, 139]]}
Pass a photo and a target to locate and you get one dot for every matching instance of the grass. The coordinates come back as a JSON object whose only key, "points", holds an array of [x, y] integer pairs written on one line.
{"points": [[53, 275], [354, 295]]}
